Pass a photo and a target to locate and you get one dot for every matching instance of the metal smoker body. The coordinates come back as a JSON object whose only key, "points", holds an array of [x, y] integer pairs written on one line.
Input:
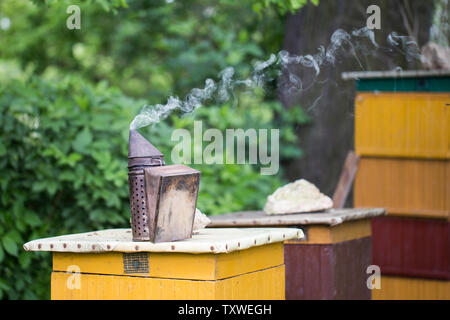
{"points": [[163, 198], [141, 155]]}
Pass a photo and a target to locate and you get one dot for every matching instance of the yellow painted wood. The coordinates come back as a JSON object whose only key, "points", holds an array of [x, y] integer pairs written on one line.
{"points": [[177, 265], [403, 125], [255, 273], [324, 234], [397, 288], [404, 187], [259, 285], [244, 261]]}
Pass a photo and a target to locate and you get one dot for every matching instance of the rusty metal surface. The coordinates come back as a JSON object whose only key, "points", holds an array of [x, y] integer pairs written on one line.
{"points": [[333, 271], [172, 193], [141, 154], [138, 205], [412, 247]]}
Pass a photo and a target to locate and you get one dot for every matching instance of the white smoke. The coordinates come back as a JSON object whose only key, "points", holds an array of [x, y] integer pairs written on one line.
{"points": [[341, 43], [406, 45]]}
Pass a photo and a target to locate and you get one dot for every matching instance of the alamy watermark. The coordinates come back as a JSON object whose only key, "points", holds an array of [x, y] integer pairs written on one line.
{"points": [[74, 20], [374, 280], [229, 147], [73, 282], [374, 20]]}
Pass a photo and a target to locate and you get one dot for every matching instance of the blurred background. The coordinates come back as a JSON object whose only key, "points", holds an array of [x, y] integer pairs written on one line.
{"points": [[67, 98]]}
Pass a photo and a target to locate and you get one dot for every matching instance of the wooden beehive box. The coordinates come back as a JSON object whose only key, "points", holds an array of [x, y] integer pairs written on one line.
{"points": [[402, 133], [405, 187], [331, 261], [213, 264], [412, 247]]}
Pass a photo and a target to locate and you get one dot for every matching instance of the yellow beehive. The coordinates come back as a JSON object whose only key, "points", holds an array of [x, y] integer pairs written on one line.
{"points": [[415, 125], [402, 133], [215, 264], [405, 187]]}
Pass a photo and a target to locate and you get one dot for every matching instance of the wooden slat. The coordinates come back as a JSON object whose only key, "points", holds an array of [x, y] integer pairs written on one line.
{"points": [[400, 288], [346, 180], [412, 247], [260, 285], [403, 125], [259, 218], [320, 234], [405, 187], [333, 271]]}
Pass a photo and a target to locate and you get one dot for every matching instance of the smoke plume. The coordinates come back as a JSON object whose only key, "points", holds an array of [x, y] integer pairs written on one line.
{"points": [[342, 44]]}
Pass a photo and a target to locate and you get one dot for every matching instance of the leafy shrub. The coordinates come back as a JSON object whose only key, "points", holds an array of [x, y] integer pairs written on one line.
{"points": [[150, 49], [63, 148], [63, 140], [63, 166]]}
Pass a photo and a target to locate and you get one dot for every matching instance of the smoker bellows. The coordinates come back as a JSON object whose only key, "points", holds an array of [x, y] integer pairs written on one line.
{"points": [[162, 198]]}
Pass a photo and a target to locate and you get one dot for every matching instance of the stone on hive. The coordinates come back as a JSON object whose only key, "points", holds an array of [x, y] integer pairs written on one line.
{"points": [[200, 221], [296, 197]]}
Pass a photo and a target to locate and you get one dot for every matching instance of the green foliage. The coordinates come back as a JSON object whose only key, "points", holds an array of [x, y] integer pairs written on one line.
{"points": [[283, 6], [151, 49], [67, 98], [63, 166], [63, 170]]}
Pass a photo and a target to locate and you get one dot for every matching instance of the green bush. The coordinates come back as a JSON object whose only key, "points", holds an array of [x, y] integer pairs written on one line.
{"points": [[150, 49], [64, 139], [63, 148], [63, 166]]}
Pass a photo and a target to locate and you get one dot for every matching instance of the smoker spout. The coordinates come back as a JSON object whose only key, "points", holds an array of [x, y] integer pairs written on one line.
{"points": [[141, 152]]}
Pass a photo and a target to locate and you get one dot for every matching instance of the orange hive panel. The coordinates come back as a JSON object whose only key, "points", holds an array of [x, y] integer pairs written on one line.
{"points": [[403, 125], [405, 187]]}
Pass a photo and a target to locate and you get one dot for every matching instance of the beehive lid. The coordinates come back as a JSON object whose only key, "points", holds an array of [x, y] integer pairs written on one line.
{"points": [[205, 241], [259, 218]]}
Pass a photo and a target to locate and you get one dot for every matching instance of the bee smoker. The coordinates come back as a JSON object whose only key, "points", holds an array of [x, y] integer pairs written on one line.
{"points": [[163, 198], [141, 155]]}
